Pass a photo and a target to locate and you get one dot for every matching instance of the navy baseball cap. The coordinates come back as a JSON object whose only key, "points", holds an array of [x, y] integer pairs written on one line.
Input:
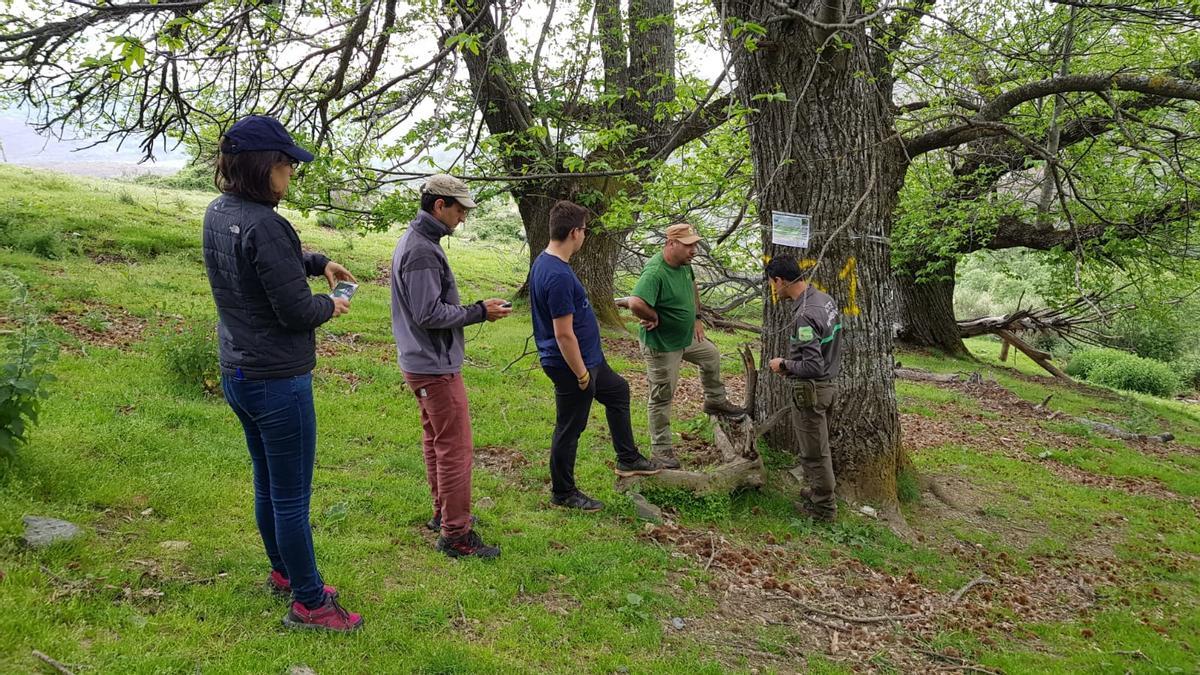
{"points": [[259, 132]]}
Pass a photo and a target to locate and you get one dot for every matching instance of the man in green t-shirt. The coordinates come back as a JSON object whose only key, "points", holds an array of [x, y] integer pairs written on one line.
{"points": [[666, 302]]}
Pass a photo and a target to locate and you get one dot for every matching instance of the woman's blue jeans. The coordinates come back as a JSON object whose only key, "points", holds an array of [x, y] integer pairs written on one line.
{"points": [[281, 433]]}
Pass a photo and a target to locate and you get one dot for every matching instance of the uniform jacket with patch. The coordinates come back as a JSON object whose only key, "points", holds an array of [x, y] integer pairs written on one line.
{"points": [[815, 345]]}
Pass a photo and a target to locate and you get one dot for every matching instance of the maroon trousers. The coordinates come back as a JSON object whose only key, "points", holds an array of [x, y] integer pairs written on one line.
{"points": [[449, 450]]}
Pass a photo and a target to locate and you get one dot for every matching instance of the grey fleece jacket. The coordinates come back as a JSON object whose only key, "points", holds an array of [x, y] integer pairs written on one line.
{"points": [[427, 319], [815, 346]]}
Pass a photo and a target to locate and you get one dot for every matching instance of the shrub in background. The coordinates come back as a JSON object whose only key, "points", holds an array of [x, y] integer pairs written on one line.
{"points": [[1188, 370], [189, 354], [1122, 370], [1158, 326], [26, 355], [1137, 374], [1084, 361]]}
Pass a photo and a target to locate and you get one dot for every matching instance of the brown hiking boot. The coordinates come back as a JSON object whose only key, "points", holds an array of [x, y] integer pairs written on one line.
{"points": [[813, 511], [664, 459], [723, 408]]}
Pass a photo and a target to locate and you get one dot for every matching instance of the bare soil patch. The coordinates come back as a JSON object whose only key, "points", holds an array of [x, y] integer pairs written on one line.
{"points": [[860, 617], [627, 349], [383, 274], [503, 461], [1013, 423], [101, 326]]}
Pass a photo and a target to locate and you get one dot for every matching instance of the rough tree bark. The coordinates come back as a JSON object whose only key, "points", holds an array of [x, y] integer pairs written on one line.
{"points": [[925, 313], [827, 152]]}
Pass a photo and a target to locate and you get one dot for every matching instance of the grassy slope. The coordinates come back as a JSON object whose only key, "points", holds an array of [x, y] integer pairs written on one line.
{"points": [[119, 437]]}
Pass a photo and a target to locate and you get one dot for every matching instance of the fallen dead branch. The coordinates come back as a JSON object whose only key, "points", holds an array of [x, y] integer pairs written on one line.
{"points": [[958, 663], [851, 619], [1115, 432], [924, 375], [53, 663], [1039, 357], [712, 318], [977, 581]]}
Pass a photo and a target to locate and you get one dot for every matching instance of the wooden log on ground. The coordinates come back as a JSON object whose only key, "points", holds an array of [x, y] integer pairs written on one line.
{"points": [[924, 376], [1110, 430], [723, 478], [1039, 357], [735, 438]]}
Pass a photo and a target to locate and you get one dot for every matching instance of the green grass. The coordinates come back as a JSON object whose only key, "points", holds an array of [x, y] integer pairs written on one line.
{"points": [[137, 460]]}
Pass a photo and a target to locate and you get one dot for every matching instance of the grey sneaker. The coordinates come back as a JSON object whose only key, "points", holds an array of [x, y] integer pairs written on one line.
{"points": [[641, 467], [577, 500], [723, 408]]}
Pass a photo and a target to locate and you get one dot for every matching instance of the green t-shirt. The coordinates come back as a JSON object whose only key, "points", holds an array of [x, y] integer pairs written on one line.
{"points": [[671, 292]]}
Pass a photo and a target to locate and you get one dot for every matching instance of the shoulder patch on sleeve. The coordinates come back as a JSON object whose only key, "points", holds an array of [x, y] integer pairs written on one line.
{"points": [[803, 334]]}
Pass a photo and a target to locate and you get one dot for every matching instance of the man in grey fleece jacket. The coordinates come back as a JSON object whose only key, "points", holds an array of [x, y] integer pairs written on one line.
{"points": [[814, 357], [427, 324]]}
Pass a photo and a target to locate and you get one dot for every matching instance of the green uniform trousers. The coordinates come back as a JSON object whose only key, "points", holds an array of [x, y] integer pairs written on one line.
{"points": [[811, 401], [662, 372]]}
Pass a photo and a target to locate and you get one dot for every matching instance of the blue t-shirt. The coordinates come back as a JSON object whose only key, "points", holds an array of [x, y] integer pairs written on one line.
{"points": [[555, 291]]}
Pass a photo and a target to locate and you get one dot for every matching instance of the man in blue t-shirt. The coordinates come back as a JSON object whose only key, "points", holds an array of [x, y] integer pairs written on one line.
{"points": [[568, 341]]}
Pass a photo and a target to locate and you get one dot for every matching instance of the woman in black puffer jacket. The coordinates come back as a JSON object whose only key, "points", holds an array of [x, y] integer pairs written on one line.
{"points": [[268, 316]]}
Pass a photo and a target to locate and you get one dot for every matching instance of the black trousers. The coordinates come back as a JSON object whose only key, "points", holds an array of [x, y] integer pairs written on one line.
{"points": [[573, 405]]}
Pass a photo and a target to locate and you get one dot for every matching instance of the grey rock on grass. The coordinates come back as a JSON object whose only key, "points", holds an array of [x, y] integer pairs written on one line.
{"points": [[40, 532]]}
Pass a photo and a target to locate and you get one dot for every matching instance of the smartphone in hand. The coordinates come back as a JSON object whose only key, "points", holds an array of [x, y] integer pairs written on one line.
{"points": [[344, 289]]}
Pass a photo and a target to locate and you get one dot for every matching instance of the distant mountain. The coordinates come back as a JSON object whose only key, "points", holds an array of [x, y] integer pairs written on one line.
{"points": [[22, 146]]}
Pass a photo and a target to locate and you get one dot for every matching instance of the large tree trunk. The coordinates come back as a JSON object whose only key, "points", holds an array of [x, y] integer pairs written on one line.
{"points": [[827, 151], [926, 313], [646, 64], [594, 264]]}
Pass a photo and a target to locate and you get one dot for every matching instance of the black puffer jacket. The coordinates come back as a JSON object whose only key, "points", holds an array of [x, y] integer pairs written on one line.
{"points": [[258, 276]]}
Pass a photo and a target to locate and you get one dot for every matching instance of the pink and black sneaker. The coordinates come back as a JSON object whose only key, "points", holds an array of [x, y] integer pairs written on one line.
{"points": [[281, 585], [329, 616]]}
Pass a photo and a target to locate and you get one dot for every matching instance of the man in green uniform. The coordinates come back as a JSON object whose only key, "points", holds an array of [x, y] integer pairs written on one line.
{"points": [[666, 302], [814, 355]]}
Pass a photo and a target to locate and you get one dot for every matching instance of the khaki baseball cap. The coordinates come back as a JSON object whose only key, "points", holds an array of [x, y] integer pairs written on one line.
{"points": [[683, 233], [445, 185]]}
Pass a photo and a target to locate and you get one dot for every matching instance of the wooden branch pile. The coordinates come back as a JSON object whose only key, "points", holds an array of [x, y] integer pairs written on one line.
{"points": [[741, 466], [1074, 322]]}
